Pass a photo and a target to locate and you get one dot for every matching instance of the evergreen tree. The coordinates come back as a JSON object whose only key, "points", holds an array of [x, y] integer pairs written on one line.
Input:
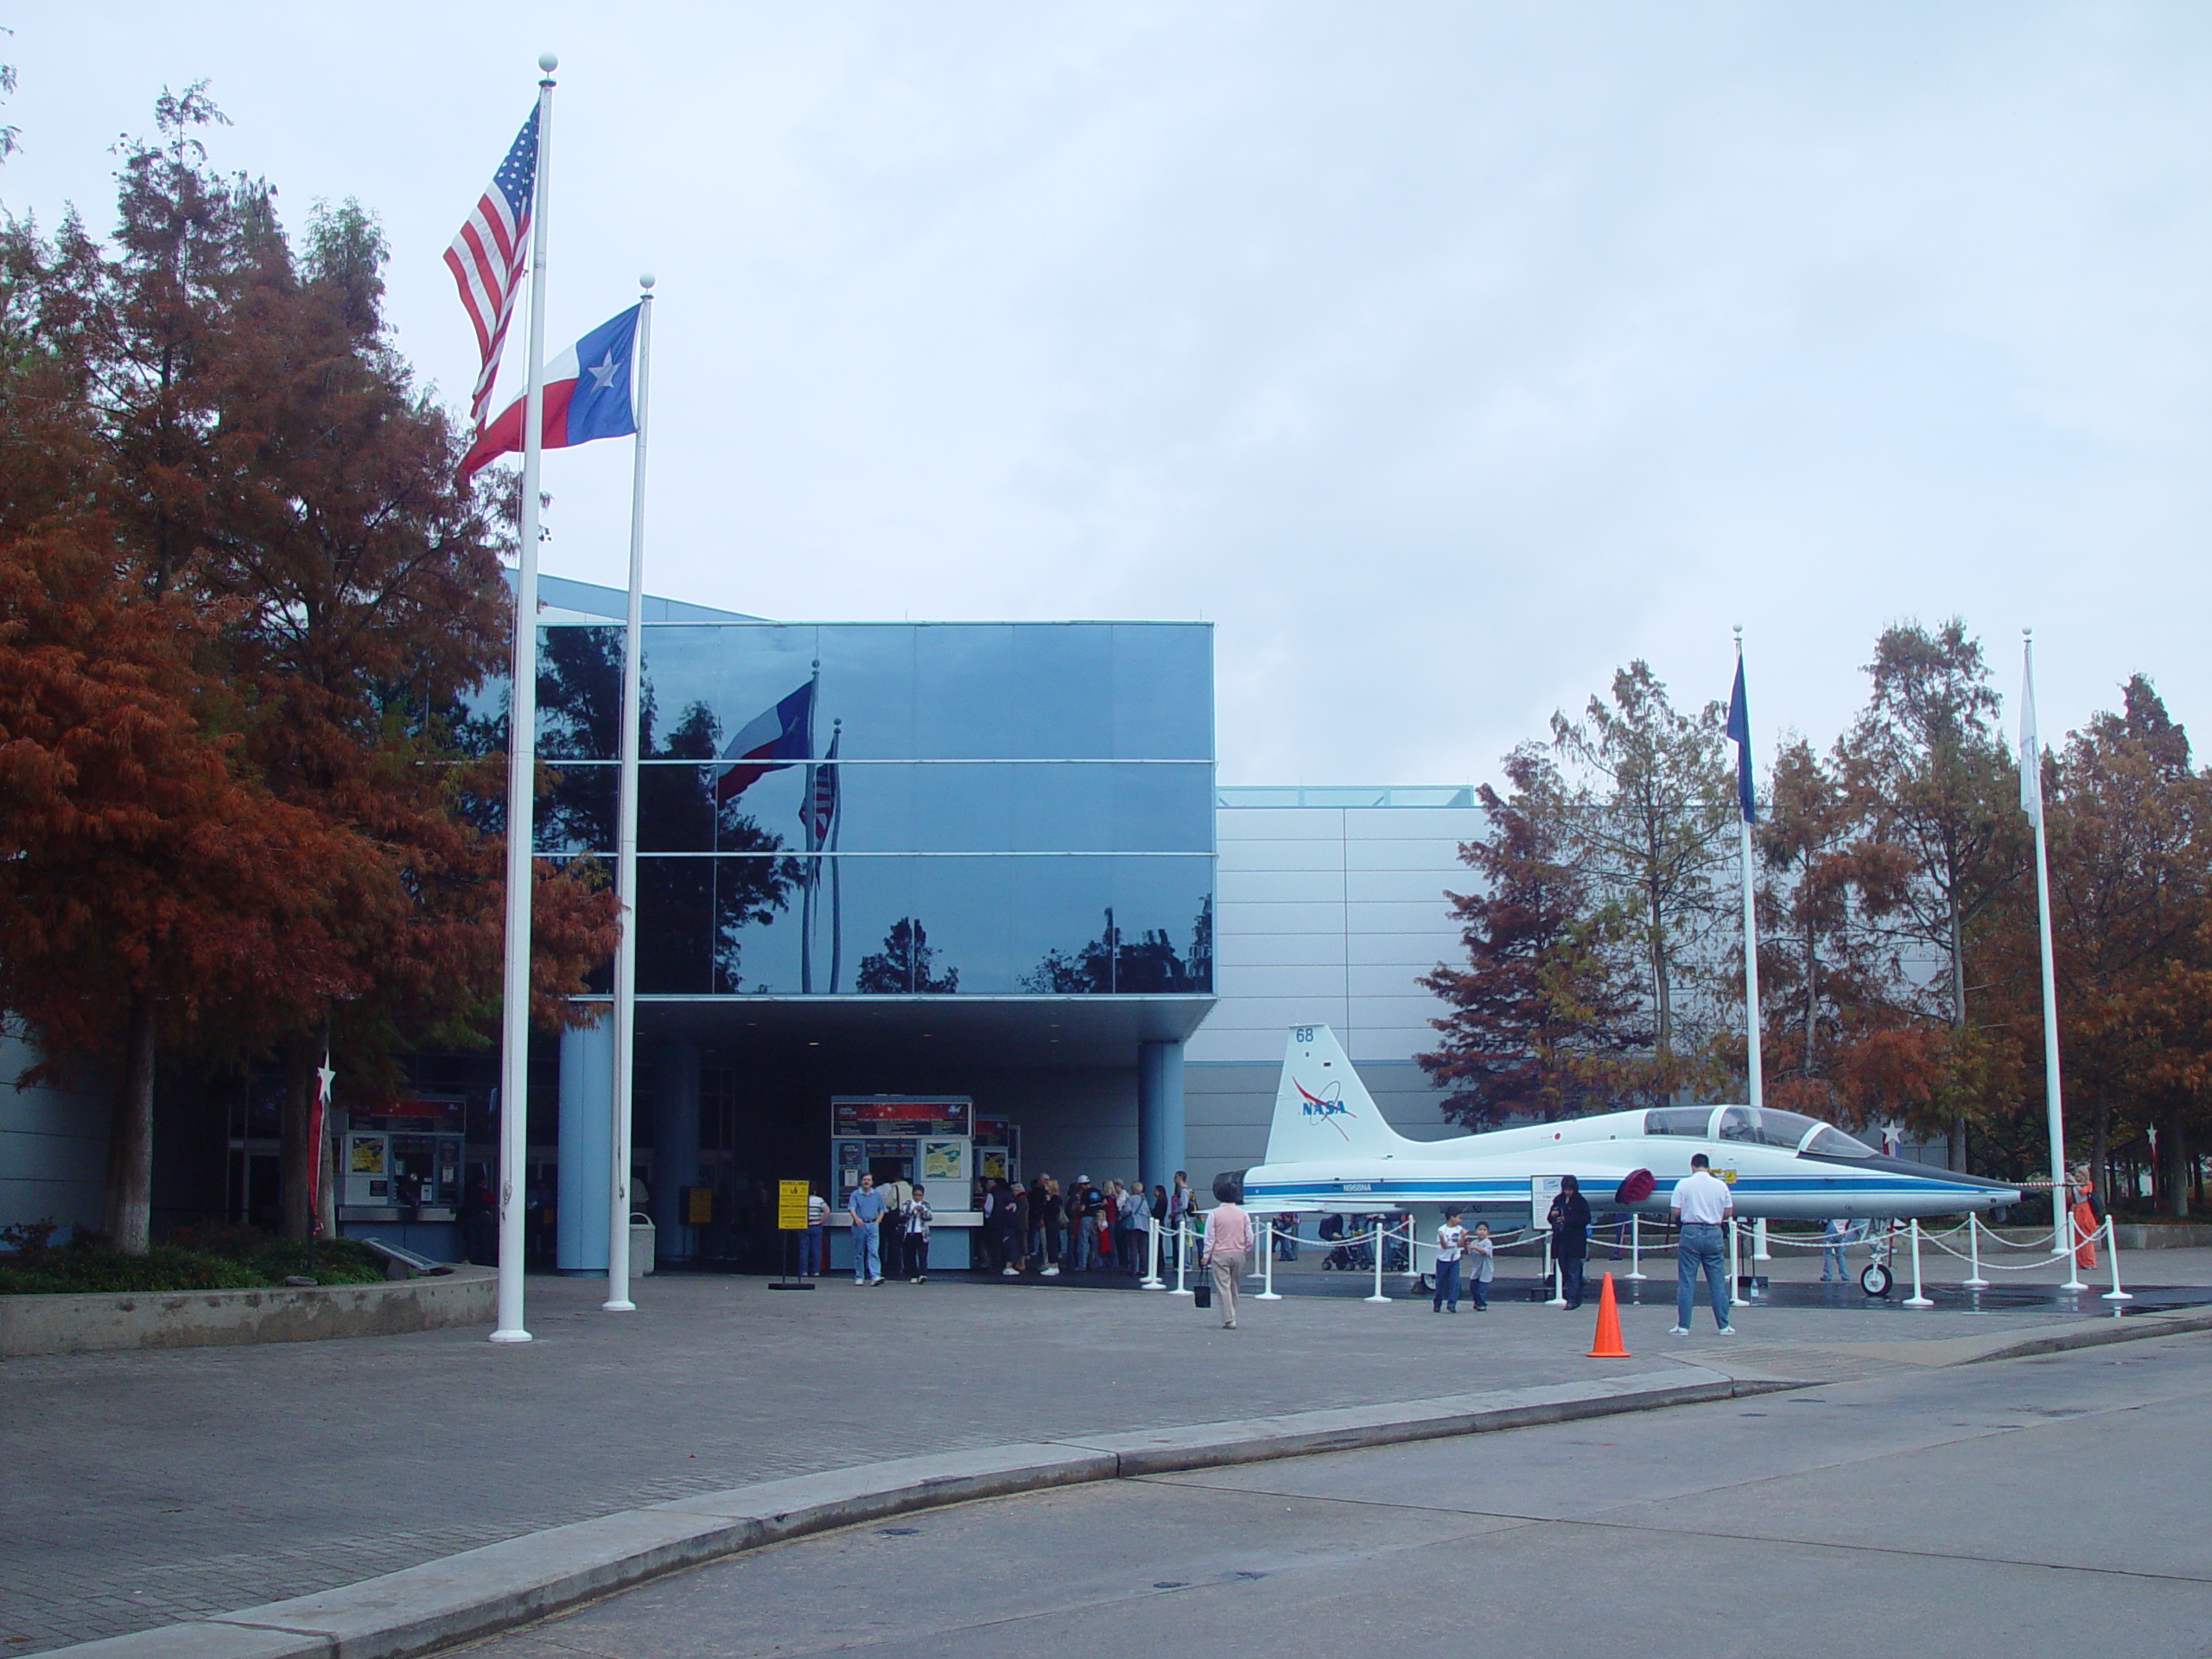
{"points": [[1542, 1024]]}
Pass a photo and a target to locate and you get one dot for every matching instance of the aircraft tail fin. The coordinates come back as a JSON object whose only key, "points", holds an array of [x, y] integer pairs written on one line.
{"points": [[1322, 1109]]}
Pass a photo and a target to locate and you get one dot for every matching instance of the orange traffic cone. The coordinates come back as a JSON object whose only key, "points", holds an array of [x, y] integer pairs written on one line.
{"points": [[1607, 1344]]}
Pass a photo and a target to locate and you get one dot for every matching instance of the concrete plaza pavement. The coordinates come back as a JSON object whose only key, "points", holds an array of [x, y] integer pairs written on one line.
{"points": [[2013, 1508], [146, 1488]]}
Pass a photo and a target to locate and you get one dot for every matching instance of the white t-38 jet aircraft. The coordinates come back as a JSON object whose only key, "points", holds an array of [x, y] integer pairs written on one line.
{"points": [[1330, 1149]]}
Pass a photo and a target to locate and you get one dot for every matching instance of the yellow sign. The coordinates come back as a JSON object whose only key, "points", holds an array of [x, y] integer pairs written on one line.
{"points": [[699, 1205], [790, 1206]]}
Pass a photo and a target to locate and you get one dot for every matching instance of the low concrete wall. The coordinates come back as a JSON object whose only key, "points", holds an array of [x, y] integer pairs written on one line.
{"points": [[2132, 1235], [200, 1318]]}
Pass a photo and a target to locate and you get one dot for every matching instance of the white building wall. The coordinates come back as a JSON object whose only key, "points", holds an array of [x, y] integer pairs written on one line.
{"points": [[52, 1144], [1330, 907]]}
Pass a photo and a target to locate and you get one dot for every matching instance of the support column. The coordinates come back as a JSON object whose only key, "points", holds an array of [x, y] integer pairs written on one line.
{"points": [[1159, 1113], [587, 1144], [676, 1147]]}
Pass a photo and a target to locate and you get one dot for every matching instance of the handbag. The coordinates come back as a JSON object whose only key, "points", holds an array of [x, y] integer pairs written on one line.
{"points": [[1201, 1294]]}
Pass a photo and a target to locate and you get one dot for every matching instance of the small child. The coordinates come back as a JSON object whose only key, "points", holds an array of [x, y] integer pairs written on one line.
{"points": [[1451, 1239], [1482, 1264]]}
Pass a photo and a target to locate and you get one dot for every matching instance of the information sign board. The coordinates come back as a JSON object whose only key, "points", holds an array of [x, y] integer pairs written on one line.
{"points": [[886, 1115], [1542, 1189], [790, 1206]]}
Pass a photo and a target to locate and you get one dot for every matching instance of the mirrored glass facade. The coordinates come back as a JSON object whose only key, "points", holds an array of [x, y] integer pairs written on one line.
{"points": [[949, 808]]}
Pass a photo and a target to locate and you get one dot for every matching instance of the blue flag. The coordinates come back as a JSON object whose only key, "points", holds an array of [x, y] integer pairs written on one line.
{"points": [[1739, 729]]}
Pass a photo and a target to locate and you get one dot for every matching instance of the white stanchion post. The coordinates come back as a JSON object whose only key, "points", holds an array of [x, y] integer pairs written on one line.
{"points": [[1552, 1272], [1378, 1296], [1974, 1253], [2074, 1280], [1267, 1291], [1916, 1299], [2115, 1294], [1151, 1279], [1636, 1247], [1182, 1257], [1759, 1241], [1736, 1297]]}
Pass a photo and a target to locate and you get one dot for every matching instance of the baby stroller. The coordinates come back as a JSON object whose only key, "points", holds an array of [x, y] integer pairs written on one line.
{"points": [[1356, 1255]]}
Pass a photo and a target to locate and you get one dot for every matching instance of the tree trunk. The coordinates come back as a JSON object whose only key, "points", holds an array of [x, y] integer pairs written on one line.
{"points": [[128, 1212], [298, 1108], [1812, 995]]}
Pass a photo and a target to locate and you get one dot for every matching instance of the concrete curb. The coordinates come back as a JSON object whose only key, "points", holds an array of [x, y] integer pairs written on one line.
{"points": [[423, 1609], [111, 1320], [2096, 1333]]}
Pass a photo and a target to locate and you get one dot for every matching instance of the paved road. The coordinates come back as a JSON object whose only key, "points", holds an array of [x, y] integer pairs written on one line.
{"points": [[145, 1488], [2026, 1507]]}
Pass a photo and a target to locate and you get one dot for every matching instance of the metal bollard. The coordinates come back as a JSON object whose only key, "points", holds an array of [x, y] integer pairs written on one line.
{"points": [[1974, 1253], [1151, 1279], [1736, 1297], [1267, 1292], [2074, 1232], [2115, 1294], [1916, 1299], [1636, 1247], [1378, 1296], [1182, 1258]]}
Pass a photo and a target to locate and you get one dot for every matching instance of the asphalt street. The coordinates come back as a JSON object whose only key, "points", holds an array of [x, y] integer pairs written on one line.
{"points": [[2040, 1506]]}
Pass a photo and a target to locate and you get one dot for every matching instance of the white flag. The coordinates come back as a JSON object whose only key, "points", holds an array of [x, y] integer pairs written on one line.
{"points": [[2030, 751]]}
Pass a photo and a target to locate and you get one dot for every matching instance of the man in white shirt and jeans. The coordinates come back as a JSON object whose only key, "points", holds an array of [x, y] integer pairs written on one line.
{"points": [[1702, 1205]]}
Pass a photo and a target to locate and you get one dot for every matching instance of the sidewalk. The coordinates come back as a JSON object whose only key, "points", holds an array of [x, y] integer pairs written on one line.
{"points": [[146, 1488]]}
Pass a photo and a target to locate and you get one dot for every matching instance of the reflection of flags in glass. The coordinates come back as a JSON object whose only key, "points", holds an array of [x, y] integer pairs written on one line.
{"points": [[771, 741], [822, 797]]}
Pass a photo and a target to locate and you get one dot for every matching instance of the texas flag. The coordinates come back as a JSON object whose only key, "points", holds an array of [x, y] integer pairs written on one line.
{"points": [[771, 741], [586, 393]]}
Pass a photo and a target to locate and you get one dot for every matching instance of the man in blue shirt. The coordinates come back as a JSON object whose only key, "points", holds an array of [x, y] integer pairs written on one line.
{"points": [[867, 1208]]}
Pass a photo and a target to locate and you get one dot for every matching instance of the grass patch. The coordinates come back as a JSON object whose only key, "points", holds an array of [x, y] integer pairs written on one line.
{"points": [[194, 1258]]}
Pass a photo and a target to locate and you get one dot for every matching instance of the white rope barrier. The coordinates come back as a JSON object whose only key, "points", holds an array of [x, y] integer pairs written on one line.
{"points": [[1377, 1238]]}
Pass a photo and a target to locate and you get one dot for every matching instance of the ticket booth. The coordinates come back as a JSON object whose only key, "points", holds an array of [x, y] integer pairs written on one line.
{"points": [[399, 1175], [926, 1138]]}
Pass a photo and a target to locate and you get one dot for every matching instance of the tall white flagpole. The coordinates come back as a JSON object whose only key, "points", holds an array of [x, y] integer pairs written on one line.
{"points": [[522, 768], [626, 842], [1754, 1068], [2053, 1099]]}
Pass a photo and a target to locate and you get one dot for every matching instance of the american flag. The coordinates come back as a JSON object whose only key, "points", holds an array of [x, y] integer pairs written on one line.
{"points": [[490, 256], [820, 806]]}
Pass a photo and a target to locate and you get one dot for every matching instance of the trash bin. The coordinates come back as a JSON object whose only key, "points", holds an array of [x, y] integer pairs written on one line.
{"points": [[641, 1244]]}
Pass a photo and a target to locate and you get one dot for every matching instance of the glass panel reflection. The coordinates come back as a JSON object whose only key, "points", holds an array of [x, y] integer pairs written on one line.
{"points": [[1163, 691], [1080, 925]]}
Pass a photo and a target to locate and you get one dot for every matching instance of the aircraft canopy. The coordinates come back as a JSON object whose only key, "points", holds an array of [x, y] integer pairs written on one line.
{"points": [[1761, 1126]]}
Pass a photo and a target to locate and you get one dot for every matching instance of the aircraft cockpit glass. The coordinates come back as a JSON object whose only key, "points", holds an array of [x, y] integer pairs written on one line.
{"points": [[1834, 1143], [1678, 1120]]}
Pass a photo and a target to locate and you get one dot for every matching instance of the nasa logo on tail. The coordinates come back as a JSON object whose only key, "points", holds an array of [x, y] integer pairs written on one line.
{"points": [[1328, 1105]]}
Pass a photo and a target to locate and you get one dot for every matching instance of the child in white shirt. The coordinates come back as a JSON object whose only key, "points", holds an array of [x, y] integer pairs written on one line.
{"points": [[1451, 1239], [1482, 1266]]}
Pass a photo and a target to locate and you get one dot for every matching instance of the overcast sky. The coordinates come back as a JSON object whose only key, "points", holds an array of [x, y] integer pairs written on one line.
{"points": [[1446, 356]]}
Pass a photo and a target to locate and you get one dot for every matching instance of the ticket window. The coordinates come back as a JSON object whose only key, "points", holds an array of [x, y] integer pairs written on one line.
{"points": [[426, 1171], [887, 1159]]}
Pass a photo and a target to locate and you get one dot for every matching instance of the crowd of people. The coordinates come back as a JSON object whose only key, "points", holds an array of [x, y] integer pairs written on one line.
{"points": [[1037, 1228]]}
